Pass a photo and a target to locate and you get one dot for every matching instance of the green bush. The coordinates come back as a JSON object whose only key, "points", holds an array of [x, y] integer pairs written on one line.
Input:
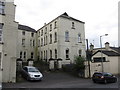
{"points": [[79, 64]]}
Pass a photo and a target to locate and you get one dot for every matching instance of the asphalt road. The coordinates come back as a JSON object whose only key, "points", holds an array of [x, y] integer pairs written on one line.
{"points": [[60, 80]]}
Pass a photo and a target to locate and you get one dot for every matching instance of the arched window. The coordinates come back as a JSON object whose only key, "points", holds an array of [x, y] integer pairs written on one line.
{"points": [[67, 36], [67, 53]]}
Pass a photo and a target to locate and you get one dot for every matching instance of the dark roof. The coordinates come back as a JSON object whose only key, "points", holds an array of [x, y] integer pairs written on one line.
{"points": [[116, 49], [65, 15], [108, 53], [26, 28]]}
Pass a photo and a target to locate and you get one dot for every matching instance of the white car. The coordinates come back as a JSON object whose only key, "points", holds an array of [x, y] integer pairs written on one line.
{"points": [[31, 73]]}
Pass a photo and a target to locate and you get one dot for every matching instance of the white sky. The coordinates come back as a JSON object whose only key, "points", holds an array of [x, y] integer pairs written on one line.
{"points": [[100, 16]]}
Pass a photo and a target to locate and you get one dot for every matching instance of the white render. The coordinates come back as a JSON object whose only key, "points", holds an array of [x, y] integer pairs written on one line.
{"points": [[112, 61], [8, 44], [63, 24], [110, 66], [28, 47]]}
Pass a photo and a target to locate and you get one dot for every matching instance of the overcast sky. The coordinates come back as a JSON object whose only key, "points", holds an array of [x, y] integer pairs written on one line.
{"points": [[100, 16]]}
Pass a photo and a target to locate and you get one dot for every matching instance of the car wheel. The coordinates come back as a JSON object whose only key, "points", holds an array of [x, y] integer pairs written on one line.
{"points": [[115, 81], [94, 81], [105, 81]]}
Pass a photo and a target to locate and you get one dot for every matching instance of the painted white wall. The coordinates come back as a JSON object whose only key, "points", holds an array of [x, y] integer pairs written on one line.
{"points": [[27, 48], [110, 66], [63, 25], [9, 46]]}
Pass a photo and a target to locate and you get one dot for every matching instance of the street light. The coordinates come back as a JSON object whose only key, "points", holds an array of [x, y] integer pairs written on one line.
{"points": [[101, 52]]}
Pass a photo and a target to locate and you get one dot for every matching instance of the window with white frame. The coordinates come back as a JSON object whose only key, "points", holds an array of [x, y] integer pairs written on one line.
{"points": [[67, 53], [1, 28], [2, 8], [79, 38], [67, 36]]}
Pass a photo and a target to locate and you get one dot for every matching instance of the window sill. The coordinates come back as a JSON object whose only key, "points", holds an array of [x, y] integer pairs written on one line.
{"points": [[67, 58], [55, 41], [67, 41], [72, 28]]}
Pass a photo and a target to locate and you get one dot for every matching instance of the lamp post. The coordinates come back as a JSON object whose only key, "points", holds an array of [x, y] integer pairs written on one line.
{"points": [[101, 51]]}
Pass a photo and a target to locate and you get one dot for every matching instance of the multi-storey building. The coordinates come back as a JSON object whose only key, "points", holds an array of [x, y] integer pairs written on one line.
{"points": [[63, 37], [8, 38], [26, 43]]}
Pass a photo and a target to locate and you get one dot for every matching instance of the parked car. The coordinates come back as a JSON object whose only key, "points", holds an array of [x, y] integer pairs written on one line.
{"points": [[104, 77], [31, 73]]}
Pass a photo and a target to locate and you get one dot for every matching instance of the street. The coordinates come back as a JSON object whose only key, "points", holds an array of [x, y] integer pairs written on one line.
{"points": [[60, 80]]}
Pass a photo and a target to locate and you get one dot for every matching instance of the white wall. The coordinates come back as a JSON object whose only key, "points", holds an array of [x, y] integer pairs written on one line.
{"points": [[9, 46], [27, 48]]}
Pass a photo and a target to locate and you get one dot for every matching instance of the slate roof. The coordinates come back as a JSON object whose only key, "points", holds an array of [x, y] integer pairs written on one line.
{"points": [[26, 28], [108, 53], [116, 49], [65, 15]]}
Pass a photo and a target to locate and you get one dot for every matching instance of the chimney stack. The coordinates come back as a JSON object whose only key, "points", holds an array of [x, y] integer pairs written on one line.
{"points": [[91, 47], [107, 45]]}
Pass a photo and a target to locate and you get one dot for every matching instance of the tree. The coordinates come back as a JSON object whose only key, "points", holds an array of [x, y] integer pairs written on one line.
{"points": [[79, 66]]}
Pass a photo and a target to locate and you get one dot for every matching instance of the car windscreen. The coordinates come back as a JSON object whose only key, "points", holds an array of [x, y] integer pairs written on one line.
{"points": [[108, 74], [33, 70]]}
